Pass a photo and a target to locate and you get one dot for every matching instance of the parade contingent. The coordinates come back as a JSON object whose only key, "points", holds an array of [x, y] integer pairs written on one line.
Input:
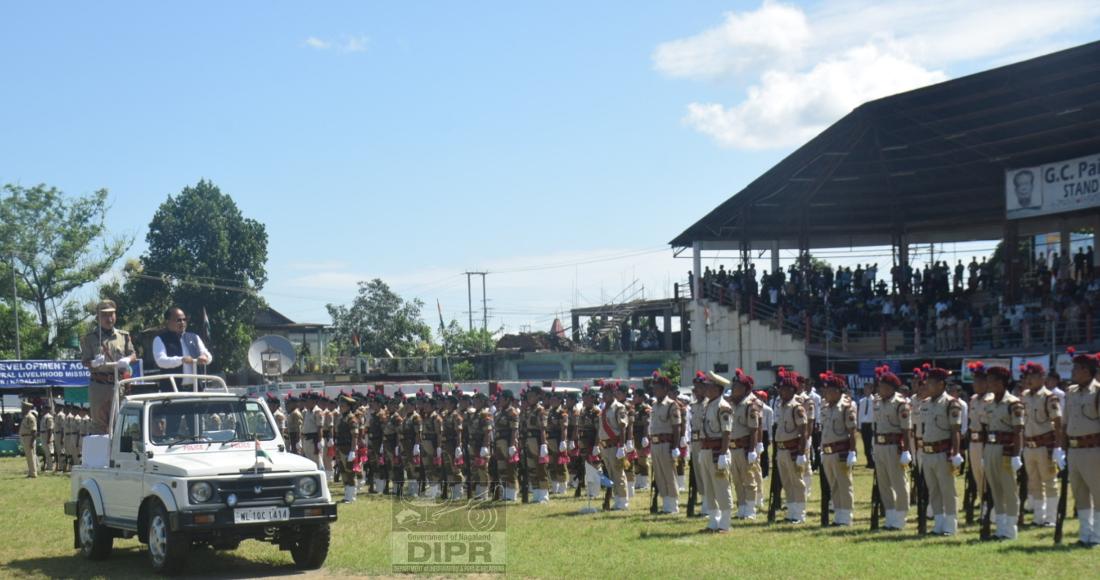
{"points": [[1021, 445]]}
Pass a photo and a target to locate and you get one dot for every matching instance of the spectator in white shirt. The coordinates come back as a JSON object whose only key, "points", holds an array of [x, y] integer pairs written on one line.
{"points": [[866, 416]]}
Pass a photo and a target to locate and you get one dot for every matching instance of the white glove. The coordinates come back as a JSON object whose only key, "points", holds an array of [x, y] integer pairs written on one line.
{"points": [[684, 441], [906, 458], [381, 451], [511, 450], [759, 448], [620, 453], [645, 441], [458, 452], [851, 459], [572, 445], [675, 452], [752, 456], [123, 364], [1059, 457], [957, 460], [439, 452], [484, 451], [98, 361], [1017, 463], [543, 451], [629, 445], [723, 461], [563, 446], [800, 460], [351, 456], [416, 449], [330, 443]]}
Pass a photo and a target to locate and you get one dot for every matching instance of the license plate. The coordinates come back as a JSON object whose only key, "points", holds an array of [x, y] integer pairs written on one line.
{"points": [[260, 515]]}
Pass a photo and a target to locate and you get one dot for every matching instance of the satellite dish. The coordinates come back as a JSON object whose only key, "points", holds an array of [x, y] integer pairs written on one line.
{"points": [[271, 355]]}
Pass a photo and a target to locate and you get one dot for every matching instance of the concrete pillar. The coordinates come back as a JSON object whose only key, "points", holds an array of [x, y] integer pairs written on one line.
{"points": [[903, 262], [1095, 238], [576, 328], [1011, 260], [667, 328], [775, 257], [1064, 239], [697, 269]]}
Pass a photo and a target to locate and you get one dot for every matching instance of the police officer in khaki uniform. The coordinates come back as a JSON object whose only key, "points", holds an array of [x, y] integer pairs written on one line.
{"points": [[838, 444], [28, 434], [506, 444], [640, 438], [941, 429], [537, 450], [557, 440], [105, 350], [454, 457], [1003, 421], [665, 425], [695, 424], [432, 447], [73, 424], [45, 428], [588, 437], [612, 435], [791, 434], [714, 454], [412, 434], [58, 449], [974, 429], [746, 443], [345, 436], [294, 422], [1041, 442], [480, 445], [1082, 434], [892, 456]]}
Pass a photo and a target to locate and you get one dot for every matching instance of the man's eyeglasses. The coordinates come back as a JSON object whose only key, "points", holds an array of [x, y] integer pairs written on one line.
{"points": [[180, 319]]}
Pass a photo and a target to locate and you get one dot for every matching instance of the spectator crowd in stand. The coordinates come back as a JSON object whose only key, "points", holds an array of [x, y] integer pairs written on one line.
{"points": [[948, 305]]}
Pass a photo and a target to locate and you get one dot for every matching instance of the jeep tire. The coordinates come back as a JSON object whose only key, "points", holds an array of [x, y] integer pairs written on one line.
{"points": [[95, 539], [311, 548], [167, 549]]}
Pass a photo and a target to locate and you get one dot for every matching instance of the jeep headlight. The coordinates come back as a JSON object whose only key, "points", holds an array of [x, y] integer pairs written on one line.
{"points": [[201, 492], [307, 487]]}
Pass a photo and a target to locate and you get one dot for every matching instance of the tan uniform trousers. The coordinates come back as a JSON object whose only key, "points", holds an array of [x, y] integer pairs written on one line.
{"points": [[716, 483], [538, 474], [432, 473], [100, 402], [479, 469], [347, 476], [974, 460], [47, 448], [939, 476], [697, 473], [59, 451], [72, 448], [506, 470], [614, 471], [893, 478], [790, 475], [1084, 476], [839, 476], [31, 454], [742, 477], [556, 469], [1042, 474], [664, 474], [455, 473], [1002, 481]]}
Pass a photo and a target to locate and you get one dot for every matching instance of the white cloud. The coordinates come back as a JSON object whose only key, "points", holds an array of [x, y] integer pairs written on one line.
{"points": [[809, 69], [346, 43]]}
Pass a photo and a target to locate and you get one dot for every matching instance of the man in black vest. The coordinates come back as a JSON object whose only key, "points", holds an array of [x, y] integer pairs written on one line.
{"points": [[177, 351]]}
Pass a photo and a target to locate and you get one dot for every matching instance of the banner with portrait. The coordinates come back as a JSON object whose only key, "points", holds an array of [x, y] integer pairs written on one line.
{"points": [[1053, 187]]}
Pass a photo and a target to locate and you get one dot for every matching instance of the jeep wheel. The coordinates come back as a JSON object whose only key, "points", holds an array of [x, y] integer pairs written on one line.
{"points": [[95, 539], [167, 549], [311, 549]]}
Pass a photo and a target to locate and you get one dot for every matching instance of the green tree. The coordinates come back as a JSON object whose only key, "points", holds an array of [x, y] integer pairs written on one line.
{"points": [[463, 371], [59, 244], [382, 320], [202, 253], [31, 336], [672, 369], [462, 342]]}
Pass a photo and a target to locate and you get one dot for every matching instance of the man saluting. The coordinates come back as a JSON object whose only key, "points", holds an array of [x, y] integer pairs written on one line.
{"points": [[177, 351]]}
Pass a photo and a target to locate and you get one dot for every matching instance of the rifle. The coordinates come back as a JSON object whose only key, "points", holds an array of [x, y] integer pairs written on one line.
{"points": [[524, 479], [1021, 480], [578, 466], [776, 484], [987, 511], [826, 495], [693, 492], [971, 492], [652, 493], [1061, 517], [444, 492], [922, 500], [876, 500], [607, 494]]}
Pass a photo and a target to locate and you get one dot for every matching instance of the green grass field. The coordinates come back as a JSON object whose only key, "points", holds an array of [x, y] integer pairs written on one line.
{"points": [[554, 541]]}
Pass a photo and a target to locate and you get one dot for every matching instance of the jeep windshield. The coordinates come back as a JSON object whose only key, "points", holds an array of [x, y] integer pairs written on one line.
{"points": [[179, 422]]}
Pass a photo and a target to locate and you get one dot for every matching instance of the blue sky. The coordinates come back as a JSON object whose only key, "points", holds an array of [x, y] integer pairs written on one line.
{"points": [[413, 141]]}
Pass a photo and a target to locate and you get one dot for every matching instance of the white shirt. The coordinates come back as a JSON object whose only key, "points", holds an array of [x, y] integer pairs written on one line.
{"points": [[160, 354], [965, 416], [1058, 392], [769, 418], [866, 409]]}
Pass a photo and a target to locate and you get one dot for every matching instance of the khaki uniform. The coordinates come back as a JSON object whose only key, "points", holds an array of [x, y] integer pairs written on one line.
{"points": [[940, 419], [611, 432], [45, 428], [1082, 420], [790, 427], [629, 462], [534, 432], [101, 389], [294, 424], [892, 426], [838, 423], [311, 435], [1003, 421], [328, 426], [976, 438], [640, 429], [346, 433], [664, 436], [717, 425], [479, 426], [58, 449], [695, 416], [72, 438], [747, 421], [505, 435], [412, 433], [432, 452], [453, 428], [557, 431], [28, 433], [280, 421], [1043, 407], [588, 426]]}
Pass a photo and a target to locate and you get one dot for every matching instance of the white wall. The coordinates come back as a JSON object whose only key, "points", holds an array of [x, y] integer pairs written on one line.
{"points": [[732, 339]]}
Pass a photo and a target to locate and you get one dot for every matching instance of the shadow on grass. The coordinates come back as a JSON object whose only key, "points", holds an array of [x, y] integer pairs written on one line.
{"points": [[133, 562], [651, 535], [1045, 549]]}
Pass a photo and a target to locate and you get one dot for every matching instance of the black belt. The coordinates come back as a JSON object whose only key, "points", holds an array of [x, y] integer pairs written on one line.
{"points": [[310, 436]]}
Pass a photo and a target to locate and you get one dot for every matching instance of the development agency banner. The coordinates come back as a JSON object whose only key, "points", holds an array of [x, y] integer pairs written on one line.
{"points": [[1053, 187]]}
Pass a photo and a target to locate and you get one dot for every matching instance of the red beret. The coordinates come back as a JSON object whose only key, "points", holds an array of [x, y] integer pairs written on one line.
{"points": [[740, 377], [1032, 368], [999, 373]]}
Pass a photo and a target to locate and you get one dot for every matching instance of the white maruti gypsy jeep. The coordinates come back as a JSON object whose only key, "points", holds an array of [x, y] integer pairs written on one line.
{"points": [[197, 468]]}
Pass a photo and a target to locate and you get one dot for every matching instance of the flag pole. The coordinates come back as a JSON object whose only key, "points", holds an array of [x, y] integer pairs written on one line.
{"points": [[443, 337]]}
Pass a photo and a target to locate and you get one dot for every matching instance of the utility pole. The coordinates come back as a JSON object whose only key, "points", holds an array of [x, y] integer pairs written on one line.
{"points": [[469, 303], [484, 306], [15, 309], [484, 301]]}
